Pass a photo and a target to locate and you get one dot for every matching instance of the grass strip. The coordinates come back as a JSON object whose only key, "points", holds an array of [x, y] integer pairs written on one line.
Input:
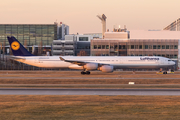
{"points": [[89, 107]]}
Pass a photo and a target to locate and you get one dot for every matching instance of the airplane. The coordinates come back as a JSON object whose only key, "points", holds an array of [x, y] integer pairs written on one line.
{"points": [[105, 64]]}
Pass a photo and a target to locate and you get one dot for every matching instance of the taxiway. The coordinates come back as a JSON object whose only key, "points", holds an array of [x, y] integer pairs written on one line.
{"points": [[50, 91]]}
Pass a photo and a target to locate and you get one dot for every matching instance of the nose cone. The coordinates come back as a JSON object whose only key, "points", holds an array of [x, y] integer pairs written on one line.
{"points": [[173, 63]]}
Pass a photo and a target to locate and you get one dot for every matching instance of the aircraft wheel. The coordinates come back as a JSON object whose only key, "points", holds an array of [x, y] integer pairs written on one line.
{"points": [[87, 72], [82, 73]]}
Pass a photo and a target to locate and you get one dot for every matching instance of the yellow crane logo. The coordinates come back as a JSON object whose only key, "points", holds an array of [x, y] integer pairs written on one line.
{"points": [[15, 45]]}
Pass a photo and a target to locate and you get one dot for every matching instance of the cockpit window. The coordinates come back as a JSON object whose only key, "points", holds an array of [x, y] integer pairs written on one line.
{"points": [[169, 60]]}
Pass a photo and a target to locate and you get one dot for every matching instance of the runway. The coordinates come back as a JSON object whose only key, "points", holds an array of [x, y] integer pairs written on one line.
{"points": [[50, 91], [70, 78]]}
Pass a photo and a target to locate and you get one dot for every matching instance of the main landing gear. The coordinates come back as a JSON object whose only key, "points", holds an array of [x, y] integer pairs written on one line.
{"points": [[85, 72]]}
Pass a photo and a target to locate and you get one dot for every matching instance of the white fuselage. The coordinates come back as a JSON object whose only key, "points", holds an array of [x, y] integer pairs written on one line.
{"points": [[118, 62]]}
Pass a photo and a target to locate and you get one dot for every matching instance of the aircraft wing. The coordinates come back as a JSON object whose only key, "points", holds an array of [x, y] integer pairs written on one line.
{"points": [[80, 63]]}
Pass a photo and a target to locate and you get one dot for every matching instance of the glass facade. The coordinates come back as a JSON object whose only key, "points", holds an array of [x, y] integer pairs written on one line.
{"points": [[29, 34], [83, 46], [83, 38]]}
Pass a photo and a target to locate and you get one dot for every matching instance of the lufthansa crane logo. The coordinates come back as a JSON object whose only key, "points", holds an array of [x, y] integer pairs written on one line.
{"points": [[15, 45]]}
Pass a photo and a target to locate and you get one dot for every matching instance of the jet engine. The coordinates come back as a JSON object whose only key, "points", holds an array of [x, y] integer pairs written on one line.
{"points": [[106, 68], [91, 66]]}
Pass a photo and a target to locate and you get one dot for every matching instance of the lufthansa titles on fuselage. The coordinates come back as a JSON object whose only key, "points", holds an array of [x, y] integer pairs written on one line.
{"points": [[149, 58]]}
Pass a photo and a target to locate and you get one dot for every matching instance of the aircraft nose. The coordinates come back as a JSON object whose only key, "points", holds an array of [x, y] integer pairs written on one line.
{"points": [[173, 63]]}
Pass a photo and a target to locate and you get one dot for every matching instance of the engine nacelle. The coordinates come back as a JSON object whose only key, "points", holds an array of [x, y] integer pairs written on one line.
{"points": [[106, 68], [91, 66]]}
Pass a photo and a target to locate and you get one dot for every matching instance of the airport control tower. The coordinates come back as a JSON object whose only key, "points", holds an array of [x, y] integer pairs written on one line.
{"points": [[103, 20]]}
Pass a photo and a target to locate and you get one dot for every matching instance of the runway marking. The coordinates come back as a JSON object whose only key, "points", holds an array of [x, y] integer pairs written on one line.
{"points": [[55, 91]]}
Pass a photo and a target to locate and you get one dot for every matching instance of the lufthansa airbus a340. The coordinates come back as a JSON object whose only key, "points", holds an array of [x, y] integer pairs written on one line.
{"points": [[86, 63]]}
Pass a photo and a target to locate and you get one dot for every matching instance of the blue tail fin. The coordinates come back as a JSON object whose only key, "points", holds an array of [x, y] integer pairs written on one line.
{"points": [[17, 48]]}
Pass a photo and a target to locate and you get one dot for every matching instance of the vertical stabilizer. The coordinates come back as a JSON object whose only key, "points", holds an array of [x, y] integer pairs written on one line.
{"points": [[17, 48]]}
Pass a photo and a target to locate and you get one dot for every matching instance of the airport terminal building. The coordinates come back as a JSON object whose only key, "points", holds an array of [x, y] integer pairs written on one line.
{"points": [[138, 43]]}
